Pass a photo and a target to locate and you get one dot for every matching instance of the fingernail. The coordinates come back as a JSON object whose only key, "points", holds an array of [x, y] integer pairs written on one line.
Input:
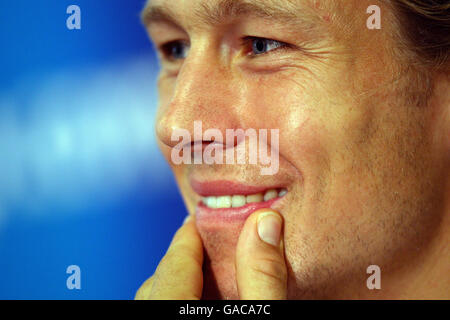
{"points": [[269, 228]]}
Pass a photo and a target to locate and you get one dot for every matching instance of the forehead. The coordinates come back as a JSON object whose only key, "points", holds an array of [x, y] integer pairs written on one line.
{"points": [[216, 11]]}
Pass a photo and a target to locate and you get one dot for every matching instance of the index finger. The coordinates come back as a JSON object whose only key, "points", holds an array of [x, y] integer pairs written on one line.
{"points": [[179, 274]]}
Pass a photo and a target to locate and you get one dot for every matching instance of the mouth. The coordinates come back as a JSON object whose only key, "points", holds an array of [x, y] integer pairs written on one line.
{"points": [[231, 201]]}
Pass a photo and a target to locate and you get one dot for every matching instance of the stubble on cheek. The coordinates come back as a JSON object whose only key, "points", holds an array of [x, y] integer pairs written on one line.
{"points": [[377, 206]]}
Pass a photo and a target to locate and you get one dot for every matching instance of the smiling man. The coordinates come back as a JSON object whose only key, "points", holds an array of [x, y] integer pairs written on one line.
{"points": [[363, 117]]}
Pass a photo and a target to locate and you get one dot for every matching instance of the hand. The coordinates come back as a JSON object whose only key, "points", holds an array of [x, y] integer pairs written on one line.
{"points": [[261, 271]]}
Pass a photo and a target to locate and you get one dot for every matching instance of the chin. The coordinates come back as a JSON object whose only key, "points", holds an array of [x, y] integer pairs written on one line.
{"points": [[219, 260], [219, 281]]}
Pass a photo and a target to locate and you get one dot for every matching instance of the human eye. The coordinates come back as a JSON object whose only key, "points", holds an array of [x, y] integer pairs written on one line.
{"points": [[175, 50], [255, 46]]}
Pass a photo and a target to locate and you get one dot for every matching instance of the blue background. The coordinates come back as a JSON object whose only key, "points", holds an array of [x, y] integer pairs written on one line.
{"points": [[82, 181]]}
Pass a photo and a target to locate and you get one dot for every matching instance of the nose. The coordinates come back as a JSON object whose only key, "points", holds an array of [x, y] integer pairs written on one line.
{"points": [[204, 91]]}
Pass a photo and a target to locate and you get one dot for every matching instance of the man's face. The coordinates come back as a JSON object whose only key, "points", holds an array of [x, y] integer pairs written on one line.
{"points": [[356, 157]]}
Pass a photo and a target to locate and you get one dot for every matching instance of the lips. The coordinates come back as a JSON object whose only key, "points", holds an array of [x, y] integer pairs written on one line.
{"points": [[224, 200]]}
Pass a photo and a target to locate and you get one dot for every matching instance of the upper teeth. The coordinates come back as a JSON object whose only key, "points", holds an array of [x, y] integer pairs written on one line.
{"points": [[240, 200]]}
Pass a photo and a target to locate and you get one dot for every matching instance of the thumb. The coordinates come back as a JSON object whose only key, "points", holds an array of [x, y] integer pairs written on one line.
{"points": [[261, 271]]}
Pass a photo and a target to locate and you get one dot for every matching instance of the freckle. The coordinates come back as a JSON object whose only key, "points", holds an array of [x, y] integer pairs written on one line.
{"points": [[326, 18]]}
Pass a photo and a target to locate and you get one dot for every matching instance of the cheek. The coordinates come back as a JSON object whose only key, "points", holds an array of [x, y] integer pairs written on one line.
{"points": [[304, 136], [307, 134], [319, 138]]}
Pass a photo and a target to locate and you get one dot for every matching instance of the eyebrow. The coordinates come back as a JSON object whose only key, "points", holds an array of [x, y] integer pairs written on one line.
{"points": [[218, 11]]}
